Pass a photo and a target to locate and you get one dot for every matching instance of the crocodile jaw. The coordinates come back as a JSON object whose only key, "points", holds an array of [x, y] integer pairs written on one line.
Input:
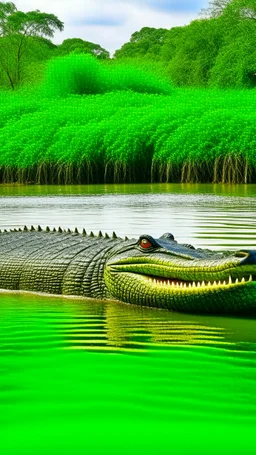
{"points": [[192, 285], [232, 295]]}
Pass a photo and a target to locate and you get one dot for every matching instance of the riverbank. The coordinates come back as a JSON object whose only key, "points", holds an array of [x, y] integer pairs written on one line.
{"points": [[190, 135]]}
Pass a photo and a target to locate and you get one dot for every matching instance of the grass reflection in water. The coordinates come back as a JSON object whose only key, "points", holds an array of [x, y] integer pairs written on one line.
{"points": [[32, 322]]}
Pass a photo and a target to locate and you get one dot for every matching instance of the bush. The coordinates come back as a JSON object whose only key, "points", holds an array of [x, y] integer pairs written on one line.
{"points": [[83, 74]]}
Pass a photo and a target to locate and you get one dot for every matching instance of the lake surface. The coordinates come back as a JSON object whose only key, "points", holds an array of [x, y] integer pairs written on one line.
{"points": [[90, 377]]}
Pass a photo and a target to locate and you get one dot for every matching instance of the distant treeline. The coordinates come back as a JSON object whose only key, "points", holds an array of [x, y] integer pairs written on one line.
{"points": [[217, 50]]}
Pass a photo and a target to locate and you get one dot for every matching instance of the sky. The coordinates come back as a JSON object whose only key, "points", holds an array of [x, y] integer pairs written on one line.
{"points": [[111, 23]]}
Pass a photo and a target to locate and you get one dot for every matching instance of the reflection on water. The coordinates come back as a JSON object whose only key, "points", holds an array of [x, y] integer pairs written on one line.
{"points": [[213, 215], [182, 401], [31, 322], [217, 216], [187, 382]]}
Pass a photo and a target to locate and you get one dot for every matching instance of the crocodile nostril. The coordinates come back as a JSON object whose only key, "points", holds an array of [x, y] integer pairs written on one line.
{"points": [[242, 254]]}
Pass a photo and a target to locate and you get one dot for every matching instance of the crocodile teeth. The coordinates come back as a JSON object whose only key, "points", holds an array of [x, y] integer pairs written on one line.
{"points": [[198, 284]]}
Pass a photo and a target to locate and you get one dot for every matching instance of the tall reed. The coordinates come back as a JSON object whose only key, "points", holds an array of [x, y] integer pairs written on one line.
{"points": [[189, 135]]}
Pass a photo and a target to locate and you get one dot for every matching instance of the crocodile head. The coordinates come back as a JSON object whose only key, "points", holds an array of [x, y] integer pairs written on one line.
{"points": [[165, 274]]}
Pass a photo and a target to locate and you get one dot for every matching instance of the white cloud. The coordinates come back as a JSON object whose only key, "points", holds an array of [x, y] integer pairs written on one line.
{"points": [[110, 23]]}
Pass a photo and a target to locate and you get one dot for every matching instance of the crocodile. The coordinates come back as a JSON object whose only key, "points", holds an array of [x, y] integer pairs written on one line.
{"points": [[147, 271]]}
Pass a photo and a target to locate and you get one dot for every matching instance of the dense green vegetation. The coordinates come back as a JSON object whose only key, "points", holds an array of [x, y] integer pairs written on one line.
{"points": [[19, 33], [25, 49], [157, 111], [82, 74], [88, 122], [216, 50], [79, 46]]}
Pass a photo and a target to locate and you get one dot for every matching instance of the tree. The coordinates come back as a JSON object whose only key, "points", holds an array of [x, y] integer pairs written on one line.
{"points": [[16, 30], [145, 43], [196, 50], [79, 46], [39, 51], [235, 65], [231, 9], [155, 35], [241, 73], [172, 42], [240, 10], [215, 8]]}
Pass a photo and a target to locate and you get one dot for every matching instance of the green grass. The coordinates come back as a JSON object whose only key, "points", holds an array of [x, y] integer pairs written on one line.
{"points": [[89, 122]]}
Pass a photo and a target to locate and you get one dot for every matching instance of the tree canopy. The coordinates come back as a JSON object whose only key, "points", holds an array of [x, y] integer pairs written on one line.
{"points": [[32, 23], [79, 46], [214, 50], [235, 64], [145, 43], [16, 29], [195, 53], [232, 9], [215, 8]]}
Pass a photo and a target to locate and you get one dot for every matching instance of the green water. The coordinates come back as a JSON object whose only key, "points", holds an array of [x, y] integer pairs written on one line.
{"points": [[83, 376]]}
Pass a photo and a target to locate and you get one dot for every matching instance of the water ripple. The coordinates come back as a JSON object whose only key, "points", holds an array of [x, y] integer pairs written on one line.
{"points": [[31, 322]]}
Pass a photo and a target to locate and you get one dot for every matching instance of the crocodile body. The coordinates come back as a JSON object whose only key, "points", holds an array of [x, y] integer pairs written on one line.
{"points": [[151, 272]]}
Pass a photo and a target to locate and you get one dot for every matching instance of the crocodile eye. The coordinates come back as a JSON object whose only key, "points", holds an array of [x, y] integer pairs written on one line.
{"points": [[241, 254], [145, 243]]}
